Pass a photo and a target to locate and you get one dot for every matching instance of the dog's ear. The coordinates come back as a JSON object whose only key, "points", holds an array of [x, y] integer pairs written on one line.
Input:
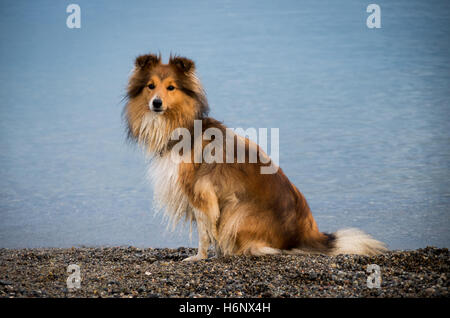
{"points": [[182, 64], [147, 61]]}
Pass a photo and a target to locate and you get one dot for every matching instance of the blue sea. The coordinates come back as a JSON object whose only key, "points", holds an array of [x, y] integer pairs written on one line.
{"points": [[363, 114]]}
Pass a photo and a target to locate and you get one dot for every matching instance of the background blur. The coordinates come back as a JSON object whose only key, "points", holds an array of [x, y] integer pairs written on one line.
{"points": [[363, 113]]}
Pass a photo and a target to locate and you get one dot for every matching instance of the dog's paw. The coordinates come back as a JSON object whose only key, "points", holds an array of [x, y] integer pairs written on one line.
{"points": [[194, 258]]}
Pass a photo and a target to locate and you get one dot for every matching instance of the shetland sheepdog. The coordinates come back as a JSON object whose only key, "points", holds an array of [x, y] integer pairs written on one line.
{"points": [[236, 208]]}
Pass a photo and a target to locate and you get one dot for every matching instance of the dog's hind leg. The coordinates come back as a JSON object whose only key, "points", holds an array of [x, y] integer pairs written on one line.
{"points": [[258, 249]]}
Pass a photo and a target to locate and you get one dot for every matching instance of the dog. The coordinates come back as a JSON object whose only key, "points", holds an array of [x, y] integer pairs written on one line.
{"points": [[236, 208]]}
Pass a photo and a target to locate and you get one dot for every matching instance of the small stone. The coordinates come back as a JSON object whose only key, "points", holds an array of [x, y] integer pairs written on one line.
{"points": [[430, 291], [5, 282], [141, 289]]}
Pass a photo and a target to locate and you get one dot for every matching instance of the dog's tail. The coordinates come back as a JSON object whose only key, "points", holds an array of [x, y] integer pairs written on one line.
{"points": [[354, 241], [346, 241]]}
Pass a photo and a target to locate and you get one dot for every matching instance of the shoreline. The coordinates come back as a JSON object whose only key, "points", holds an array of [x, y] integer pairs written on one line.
{"points": [[158, 272]]}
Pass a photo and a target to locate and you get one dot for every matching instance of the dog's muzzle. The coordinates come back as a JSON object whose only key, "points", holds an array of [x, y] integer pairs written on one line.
{"points": [[156, 105]]}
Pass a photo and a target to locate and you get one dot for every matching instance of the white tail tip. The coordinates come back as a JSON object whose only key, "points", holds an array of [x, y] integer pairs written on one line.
{"points": [[354, 241]]}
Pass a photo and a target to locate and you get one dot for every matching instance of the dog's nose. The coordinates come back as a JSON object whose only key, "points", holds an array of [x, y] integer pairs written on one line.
{"points": [[157, 103]]}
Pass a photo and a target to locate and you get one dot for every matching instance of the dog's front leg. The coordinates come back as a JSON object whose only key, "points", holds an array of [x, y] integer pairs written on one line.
{"points": [[219, 252], [203, 238]]}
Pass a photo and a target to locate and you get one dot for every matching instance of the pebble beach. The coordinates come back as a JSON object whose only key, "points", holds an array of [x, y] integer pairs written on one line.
{"points": [[128, 272]]}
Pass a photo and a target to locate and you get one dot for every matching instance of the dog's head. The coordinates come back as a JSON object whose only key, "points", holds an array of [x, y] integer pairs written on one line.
{"points": [[170, 93]]}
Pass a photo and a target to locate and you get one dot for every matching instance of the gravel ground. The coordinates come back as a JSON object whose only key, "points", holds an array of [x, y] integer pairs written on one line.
{"points": [[134, 272]]}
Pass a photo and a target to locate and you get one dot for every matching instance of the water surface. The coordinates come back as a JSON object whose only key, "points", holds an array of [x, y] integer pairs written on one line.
{"points": [[363, 113]]}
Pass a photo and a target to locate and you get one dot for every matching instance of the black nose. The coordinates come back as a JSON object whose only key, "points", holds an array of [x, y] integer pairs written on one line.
{"points": [[157, 103]]}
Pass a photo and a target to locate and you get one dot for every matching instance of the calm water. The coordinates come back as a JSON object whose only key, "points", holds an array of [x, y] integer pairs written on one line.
{"points": [[364, 114]]}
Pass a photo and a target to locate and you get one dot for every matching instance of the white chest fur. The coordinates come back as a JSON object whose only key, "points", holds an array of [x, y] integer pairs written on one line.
{"points": [[168, 195]]}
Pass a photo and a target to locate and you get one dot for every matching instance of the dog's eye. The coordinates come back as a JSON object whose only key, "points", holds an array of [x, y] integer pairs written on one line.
{"points": [[170, 88], [151, 86]]}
